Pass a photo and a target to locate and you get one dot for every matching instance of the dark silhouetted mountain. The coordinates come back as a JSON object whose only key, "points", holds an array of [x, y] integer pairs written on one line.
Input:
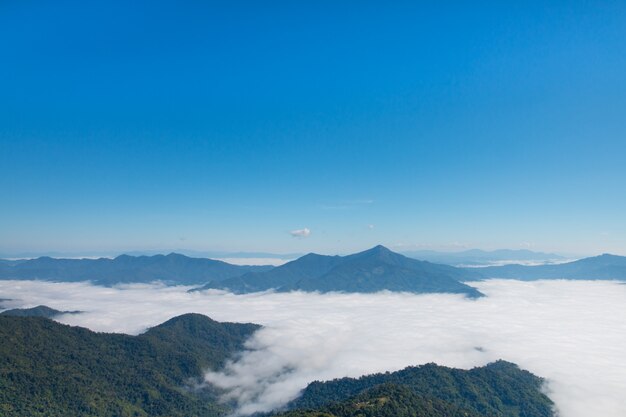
{"points": [[172, 269], [498, 389], [50, 369], [609, 267], [39, 311], [373, 270], [480, 257]]}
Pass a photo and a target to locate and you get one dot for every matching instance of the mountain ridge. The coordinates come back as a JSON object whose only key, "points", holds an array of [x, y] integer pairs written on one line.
{"points": [[172, 269], [601, 267], [38, 311], [372, 270], [479, 257], [497, 389]]}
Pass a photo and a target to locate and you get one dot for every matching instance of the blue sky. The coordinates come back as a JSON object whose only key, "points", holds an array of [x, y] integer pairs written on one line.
{"points": [[226, 125]]}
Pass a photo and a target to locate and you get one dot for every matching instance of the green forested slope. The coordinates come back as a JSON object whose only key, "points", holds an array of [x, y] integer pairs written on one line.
{"points": [[387, 400], [499, 389], [50, 369]]}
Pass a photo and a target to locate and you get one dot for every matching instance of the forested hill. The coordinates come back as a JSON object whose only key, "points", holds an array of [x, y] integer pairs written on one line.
{"points": [[499, 389], [53, 370], [39, 311], [50, 369], [171, 269]]}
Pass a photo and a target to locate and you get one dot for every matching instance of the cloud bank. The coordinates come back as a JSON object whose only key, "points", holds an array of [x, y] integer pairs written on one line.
{"points": [[573, 333]]}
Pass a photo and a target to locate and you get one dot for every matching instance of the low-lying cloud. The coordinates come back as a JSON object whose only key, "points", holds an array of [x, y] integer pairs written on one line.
{"points": [[573, 333], [301, 233]]}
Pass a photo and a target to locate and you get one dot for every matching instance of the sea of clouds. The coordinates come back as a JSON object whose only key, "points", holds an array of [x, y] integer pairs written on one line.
{"points": [[573, 333]]}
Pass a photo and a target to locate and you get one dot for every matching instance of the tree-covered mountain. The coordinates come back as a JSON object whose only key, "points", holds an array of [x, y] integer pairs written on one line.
{"points": [[373, 270], [50, 369], [499, 389], [609, 267], [386, 400], [172, 269], [38, 311]]}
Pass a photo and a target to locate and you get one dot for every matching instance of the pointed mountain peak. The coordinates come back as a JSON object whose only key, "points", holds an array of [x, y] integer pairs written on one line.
{"points": [[378, 250]]}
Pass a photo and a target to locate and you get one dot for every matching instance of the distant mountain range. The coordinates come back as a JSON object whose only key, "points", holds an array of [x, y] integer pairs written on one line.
{"points": [[52, 369], [373, 270], [369, 271], [473, 257], [186, 252], [607, 267], [172, 269], [498, 389], [478, 257]]}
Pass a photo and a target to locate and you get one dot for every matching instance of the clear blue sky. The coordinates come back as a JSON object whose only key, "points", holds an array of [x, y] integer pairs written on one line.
{"points": [[226, 125]]}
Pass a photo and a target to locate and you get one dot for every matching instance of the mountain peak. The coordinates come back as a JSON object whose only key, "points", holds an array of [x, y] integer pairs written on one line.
{"points": [[376, 250], [378, 253], [186, 320]]}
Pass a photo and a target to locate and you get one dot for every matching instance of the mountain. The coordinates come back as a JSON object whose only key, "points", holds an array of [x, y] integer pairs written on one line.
{"points": [[373, 270], [39, 311], [50, 369], [290, 273], [609, 267], [499, 389], [173, 269], [20, 256], [386, 400], [477, 257]]}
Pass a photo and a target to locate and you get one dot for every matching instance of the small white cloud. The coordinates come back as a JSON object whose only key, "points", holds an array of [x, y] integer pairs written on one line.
{"points": [[370, 226], [300, 233]]}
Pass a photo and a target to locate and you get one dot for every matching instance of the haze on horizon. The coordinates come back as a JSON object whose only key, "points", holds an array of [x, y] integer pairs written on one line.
{"points": [[292, 128]]}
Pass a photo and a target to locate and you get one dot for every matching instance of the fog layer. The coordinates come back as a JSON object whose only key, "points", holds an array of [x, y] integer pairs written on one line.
{"points": [[571, 332]]}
